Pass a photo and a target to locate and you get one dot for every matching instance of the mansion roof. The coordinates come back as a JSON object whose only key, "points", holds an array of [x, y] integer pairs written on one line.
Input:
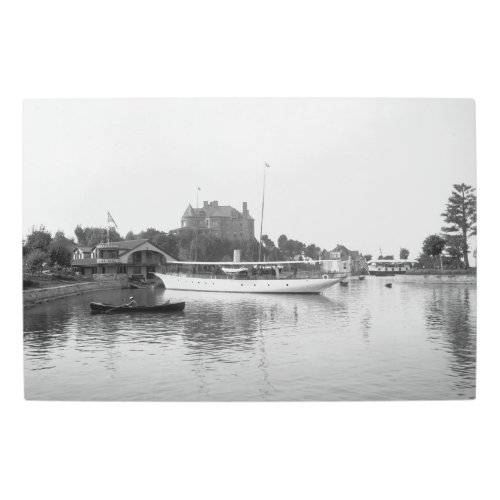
{"points": [[213, 211]]}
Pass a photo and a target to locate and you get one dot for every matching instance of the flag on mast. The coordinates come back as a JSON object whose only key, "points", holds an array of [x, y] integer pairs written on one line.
{"points": [[110, 219]]}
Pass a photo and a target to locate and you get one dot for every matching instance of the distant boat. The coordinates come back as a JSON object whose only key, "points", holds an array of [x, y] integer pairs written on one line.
{"points": [[386, 267], [361, 277], [388, 285], [344, 283], [101, 308]]}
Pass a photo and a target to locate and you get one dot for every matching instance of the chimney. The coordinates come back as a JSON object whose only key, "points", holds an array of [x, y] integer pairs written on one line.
{"points": [[205, 204], [215, 204], [245, 208]]}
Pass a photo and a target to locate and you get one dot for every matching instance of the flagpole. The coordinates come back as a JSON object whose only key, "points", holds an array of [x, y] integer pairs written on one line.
{"points": [[262, 212], [110, 219]]}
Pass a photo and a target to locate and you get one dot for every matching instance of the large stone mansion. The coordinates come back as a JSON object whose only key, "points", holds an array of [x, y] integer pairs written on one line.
{"points": [[222, 221]]}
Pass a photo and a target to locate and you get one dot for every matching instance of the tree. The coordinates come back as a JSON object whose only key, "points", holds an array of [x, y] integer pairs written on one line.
{"points": [[368, 257], [91, 236], [461, 215], [38, 240], [267, 242], [282, 241], [80, 235], [312, 251], [404, 253], [290, 248], [60, 250], [433, 246], [35, 259], [170, 245], [387, 257], [250, 250], [425, 261], [454, 248], [271, 252]]}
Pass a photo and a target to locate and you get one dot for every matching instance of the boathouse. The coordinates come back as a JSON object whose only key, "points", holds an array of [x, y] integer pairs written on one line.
{"points": [[135, 258]]}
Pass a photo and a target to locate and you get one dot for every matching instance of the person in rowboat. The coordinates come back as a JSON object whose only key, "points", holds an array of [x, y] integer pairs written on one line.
{"points": [[131, 302]]}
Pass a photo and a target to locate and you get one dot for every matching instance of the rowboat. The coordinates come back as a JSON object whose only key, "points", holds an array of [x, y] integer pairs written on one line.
{"points": [[101, 308]]}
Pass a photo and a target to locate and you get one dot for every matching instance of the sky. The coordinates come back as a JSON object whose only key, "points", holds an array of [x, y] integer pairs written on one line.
{"points": [[371, 174]]}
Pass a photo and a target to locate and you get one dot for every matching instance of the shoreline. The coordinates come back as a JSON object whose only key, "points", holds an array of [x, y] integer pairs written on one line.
{"points": [[41, 295], [437, 278]]}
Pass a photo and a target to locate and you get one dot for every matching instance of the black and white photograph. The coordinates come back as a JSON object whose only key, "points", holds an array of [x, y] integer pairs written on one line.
{"points": [[249, 249], [240, 250]]}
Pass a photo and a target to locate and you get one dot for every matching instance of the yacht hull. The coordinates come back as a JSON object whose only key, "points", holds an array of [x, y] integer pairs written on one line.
{"points": [[201, 284]]}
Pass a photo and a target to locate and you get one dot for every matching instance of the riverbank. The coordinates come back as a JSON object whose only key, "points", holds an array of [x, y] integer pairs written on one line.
{"points": [[51, 292], [437, 278], [444, 272]]}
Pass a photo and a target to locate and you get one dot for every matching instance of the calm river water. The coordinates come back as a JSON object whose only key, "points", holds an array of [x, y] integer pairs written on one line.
{"points": [[361, 342]]}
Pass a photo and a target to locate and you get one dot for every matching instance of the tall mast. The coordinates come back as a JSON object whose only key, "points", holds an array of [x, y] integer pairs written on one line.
{"points": [[262, 213], [196, 227]]}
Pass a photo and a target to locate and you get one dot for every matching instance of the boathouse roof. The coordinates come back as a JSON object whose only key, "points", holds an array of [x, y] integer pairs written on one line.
{"points": [[84, 249]]}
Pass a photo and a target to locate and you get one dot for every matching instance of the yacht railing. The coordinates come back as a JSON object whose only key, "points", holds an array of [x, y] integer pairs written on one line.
{"points": [[257, 270], [281, 276]]}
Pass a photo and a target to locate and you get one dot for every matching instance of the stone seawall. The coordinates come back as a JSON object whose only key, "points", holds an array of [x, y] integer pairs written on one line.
{"points": [[437, 278], [32, 297]]}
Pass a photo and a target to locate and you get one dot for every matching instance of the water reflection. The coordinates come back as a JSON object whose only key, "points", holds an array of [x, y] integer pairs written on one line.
{"points": [[228, 323], [47, 333], [358, 342], [366, 324], [451, 321]]}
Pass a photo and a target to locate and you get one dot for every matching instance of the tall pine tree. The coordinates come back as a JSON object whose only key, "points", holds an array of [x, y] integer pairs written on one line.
{"points": [[461, 215]]}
